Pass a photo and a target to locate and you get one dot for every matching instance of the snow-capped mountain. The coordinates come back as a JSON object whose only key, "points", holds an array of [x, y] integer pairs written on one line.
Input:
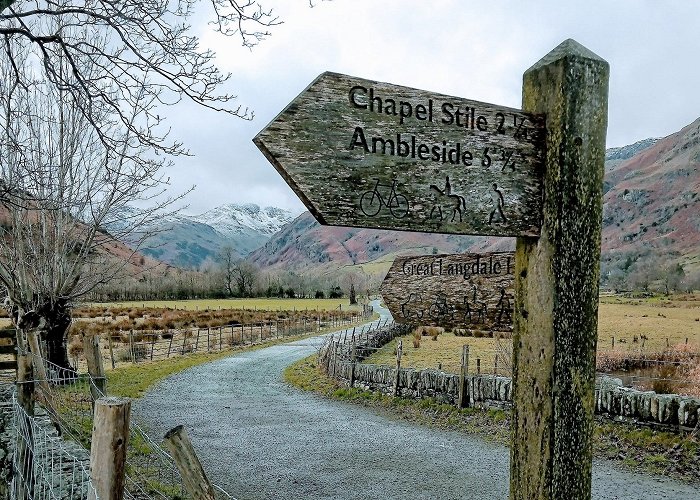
{"points": [[234, 219], [193, 241]]}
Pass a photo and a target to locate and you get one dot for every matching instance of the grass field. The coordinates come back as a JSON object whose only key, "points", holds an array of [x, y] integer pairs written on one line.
{"points": [[271, 304], [657, 319]]}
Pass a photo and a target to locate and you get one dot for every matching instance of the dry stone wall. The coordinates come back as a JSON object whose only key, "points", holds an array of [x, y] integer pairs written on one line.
{"points": [[611, 398]]}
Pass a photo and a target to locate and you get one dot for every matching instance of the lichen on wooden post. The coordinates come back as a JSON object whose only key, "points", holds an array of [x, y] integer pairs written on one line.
{"points": [[555, 321]]}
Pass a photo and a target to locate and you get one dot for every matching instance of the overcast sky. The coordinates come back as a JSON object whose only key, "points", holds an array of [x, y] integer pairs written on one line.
{"points": [[472, 49]]}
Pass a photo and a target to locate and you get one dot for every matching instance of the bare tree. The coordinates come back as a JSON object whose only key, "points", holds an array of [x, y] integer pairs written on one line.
{"points": [[228, 268], [151, 58], [82, 136], [245, 274], [62, 188]]}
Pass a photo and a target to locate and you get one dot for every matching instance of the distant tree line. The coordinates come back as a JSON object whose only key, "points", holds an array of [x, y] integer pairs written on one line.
{"points": [[231, 278], [647, 272]]}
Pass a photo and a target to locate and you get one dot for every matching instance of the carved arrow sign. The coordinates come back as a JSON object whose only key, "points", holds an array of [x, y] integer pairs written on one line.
{"points": [[471, 291], [368, 154]]}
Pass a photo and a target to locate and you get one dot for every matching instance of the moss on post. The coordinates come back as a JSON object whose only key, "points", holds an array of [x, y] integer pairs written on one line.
{"points": [[555, 324]]}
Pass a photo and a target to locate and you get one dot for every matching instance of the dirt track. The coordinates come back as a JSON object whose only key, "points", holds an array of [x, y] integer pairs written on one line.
{"points": [[260, 438]]}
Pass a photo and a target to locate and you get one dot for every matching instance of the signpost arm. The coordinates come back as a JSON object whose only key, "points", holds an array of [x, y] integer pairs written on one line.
{"points": [[555, 323]]}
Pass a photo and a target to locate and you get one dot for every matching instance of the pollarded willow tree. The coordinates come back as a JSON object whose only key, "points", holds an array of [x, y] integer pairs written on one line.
{"points": [[83, 90]]}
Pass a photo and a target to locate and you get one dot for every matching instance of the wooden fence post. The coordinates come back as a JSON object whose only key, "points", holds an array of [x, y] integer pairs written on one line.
{"points": [[154, 337], [131, 346], [24, 443], [39, 368], [463, 399], [110, 435], [334, 345], [399, 352], [96, 369], [170, 344], [353, 359], [556, 282], [193, 476], [111, 350]]}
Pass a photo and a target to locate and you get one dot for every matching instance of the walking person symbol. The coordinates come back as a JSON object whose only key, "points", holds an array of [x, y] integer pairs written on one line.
{"points": [[498, 202], [504, 310]]}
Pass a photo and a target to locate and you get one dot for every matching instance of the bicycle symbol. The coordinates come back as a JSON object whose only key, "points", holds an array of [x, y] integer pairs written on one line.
{"points": [[371, 202]]}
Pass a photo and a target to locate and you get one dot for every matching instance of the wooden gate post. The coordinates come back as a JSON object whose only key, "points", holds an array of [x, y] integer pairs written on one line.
{"points": [[110, 435], [556, 304]]}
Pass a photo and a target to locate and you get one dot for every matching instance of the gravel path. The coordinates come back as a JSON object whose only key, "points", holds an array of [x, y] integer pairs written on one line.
{"points": [[259, 438]]}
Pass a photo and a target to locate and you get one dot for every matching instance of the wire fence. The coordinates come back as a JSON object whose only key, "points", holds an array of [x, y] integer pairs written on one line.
{"points": [[53, 440], [66, 401], [134, 346], [45, 465]]}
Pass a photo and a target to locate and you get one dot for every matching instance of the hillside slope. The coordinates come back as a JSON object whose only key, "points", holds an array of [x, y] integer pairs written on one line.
{"points": [[652, 203]]}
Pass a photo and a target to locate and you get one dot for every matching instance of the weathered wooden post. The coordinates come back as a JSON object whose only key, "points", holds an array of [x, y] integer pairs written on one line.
{"points": [[353, 359], [193, 476], [131, 346], [170, 344], [111, 350], [463, 398], [556, 308], [399, 352], [39, 368], [24, 443], [110, 435], [93, 357]]}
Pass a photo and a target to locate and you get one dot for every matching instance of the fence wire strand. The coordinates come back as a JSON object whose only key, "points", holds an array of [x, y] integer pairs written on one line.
{"points": [[46, 466]]}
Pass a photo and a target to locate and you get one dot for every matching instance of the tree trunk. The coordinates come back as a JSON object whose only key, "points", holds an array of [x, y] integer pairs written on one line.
{"points": [[50, 319]]}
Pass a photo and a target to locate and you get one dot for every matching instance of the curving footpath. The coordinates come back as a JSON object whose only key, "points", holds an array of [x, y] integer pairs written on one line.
{"points": [[260, 438]]}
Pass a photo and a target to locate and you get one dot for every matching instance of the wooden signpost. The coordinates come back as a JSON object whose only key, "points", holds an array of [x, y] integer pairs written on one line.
{"points": [[368, 154], [470, 291]]}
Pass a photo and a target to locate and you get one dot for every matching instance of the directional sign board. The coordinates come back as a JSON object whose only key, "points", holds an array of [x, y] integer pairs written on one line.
{"points": [[471, 291], [368, 154]]}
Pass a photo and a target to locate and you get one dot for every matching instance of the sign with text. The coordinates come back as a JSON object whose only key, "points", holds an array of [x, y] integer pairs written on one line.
{"points": [[368, 154], [471, 291]]}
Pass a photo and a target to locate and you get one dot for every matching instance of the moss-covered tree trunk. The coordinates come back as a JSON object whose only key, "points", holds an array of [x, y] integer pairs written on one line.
{"points": [[50, 319]]}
